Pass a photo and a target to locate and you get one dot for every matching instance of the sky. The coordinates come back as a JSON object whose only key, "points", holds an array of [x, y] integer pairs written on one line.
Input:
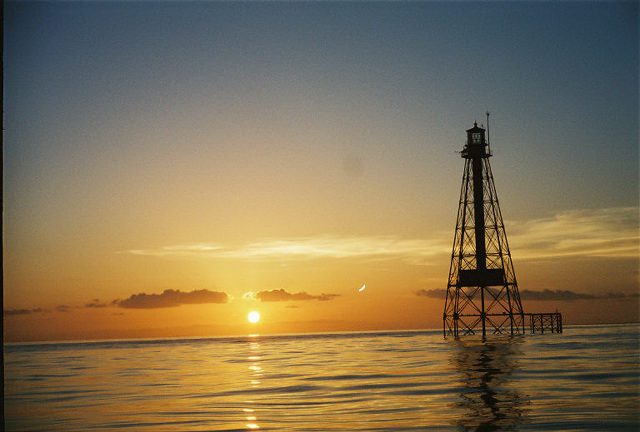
{"points": [[170, 166]]}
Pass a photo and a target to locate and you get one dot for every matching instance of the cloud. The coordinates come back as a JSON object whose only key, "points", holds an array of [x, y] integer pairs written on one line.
{"points": [[20, 311], [192, 249], [566, 295], [24, 311], [608, 232], [596, 233], [168, 298], [95, 303], [547, 294], [172, 298], [621, 295], [382, 247], [282, 295], [432, 293]]}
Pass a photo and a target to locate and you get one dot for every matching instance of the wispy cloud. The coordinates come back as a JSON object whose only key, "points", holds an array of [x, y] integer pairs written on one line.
{"points": [[339, 247], [191, 249], [547, 294], [609, 232], [382, 247], [172, 298], [282, 295]]}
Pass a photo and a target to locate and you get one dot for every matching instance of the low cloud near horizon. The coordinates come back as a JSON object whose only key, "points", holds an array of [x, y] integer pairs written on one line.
{"points": [[544, 295], [168, 298], [24, 311], [172, 298], [282, 295], [96, 303]]}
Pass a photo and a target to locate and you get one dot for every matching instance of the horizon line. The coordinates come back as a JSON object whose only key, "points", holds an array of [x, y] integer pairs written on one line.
{"points": [[267, 335]]}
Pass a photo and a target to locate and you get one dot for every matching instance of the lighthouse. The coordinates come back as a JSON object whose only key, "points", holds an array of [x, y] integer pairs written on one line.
{"points": [[482, 289]]}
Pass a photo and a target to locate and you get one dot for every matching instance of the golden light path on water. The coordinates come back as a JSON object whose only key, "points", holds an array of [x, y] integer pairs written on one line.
{"points": [[255, 374], [584, 379]]}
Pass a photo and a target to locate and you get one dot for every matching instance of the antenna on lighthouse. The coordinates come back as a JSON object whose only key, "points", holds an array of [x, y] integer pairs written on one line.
{"points": [[488, 140]]}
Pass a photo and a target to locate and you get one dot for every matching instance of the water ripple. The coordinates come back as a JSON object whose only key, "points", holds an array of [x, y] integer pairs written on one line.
{"points": [[586, 379]]}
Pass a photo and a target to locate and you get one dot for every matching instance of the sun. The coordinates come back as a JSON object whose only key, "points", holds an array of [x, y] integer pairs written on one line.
{"points": [[253, 317]]}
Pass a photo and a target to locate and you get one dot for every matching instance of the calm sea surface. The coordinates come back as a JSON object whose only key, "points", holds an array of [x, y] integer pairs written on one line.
{"points": [[585, 379]]}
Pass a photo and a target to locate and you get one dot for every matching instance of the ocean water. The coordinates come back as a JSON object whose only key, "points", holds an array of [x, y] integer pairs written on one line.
{"points": [[585, 379]]}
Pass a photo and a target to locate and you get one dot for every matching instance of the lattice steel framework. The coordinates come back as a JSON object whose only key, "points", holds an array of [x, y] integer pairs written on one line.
{"points": [[482, 291]]}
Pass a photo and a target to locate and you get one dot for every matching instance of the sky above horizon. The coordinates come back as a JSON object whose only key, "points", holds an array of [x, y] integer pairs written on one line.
{"points": [[170, 166]]}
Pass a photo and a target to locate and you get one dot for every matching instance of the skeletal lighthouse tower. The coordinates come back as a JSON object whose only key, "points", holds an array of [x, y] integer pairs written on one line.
{"points": [[482, 292]]}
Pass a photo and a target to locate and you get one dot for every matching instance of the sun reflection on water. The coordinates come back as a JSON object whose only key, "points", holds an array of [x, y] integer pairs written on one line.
{"points": [[255, 372]]}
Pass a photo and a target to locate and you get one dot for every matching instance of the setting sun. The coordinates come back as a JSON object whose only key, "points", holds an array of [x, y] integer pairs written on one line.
{"points": [[253, 317]]}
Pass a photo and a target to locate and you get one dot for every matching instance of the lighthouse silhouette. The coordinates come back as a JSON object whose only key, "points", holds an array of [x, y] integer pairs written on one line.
{"points": [[482, 290]]}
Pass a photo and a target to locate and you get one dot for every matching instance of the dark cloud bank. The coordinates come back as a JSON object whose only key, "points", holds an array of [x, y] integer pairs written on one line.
{"points": [[546, 294], [24, 311], [168, 298], [172, 298], [282, 295], [95, 303]]}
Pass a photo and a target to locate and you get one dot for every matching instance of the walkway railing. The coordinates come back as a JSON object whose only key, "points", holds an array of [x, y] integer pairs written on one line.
{"points": [[545, 322]]}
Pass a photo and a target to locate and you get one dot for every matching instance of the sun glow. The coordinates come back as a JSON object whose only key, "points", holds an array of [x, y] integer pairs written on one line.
{"points": [[253, 317]]}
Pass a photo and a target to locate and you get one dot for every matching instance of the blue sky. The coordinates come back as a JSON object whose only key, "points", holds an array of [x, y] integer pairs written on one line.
{"points": [[560, 79]]}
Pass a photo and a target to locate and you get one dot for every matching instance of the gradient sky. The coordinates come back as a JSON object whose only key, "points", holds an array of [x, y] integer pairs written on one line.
{"points": [[245, 147]]}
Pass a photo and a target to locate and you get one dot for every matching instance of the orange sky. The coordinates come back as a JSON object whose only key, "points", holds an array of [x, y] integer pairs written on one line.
{"points": [[316, 281], [227, 151]]}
